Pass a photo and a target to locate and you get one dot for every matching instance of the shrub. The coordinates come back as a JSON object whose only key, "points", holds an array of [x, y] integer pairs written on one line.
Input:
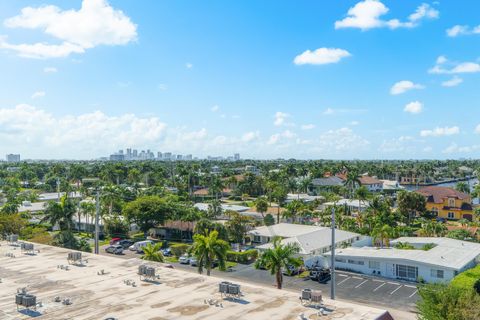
{"points": [[242, 257], [178, 249]]}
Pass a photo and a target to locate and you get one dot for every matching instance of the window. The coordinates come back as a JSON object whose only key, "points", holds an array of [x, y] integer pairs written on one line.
{"points": [[257, 239], [406, 272], [436, 273], [374, 265], [361, 263], [451, 215], [340, 260], [451, 202]]}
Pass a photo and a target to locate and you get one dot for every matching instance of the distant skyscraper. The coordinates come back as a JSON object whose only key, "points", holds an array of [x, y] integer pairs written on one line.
{"points": [[159, 156], [236, 156], [135, 153], [13, 157]]}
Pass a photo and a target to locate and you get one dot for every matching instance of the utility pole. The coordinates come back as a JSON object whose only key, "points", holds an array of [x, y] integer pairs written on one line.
{"points": [[332, 264], [97, 214], [58, 190]]}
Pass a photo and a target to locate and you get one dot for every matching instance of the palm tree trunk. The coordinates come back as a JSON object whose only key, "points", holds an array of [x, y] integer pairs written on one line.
{"points": [[279, 279]]}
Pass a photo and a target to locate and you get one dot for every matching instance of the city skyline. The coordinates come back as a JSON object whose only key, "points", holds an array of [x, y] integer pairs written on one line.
{"points": [[363, 79]]}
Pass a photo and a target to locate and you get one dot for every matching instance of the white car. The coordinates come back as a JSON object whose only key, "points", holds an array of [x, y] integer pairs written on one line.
{"points": [[115, 249], [185, 259], [138, 246]]}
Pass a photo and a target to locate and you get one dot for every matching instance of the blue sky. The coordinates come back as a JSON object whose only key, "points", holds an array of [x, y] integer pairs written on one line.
{"points": [[304, 79]]}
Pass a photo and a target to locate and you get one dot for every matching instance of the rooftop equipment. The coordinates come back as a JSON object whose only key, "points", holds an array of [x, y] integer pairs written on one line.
{"points": [[229, 290], [24, 299], [75, 258], [147, 273], [309, 297]]}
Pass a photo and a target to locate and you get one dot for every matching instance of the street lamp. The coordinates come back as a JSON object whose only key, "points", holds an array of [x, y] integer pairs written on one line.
{"points": [[332, 264]]}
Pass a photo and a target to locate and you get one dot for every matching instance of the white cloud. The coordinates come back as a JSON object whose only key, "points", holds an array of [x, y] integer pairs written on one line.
{"points": [[50, 70], [328, 111], [477, 129], [455, 81], [404, 86], [280, 137], [162, 87], [458, 30], [38, 94], [250, 136], [215, 108], [454, 148], [414, 107], [188, 65], [308, 126], [95, 23], [280, 118], [321, 56], [440, 132], [454, 67], [354, 123], [343, 139], [367, 15]]}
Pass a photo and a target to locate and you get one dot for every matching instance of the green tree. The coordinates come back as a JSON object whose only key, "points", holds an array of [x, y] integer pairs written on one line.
{"points": [[153, 253], [352, 181], [207, 249], [11, 224], [269, 220], [410, 204], [279, 258], [116, 227], [147, 212], [238, 226], [261, 204], [463, 187], [60, 213]]}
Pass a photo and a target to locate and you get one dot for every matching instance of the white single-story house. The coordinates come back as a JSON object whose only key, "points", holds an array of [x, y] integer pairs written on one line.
{"points": [[32, 207], [353, 205], [302, 197], [54, 196], [312, 240], [231, 207], [441, 263]]}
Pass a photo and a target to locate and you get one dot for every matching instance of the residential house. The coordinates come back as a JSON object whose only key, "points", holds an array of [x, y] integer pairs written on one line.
{"points": [[319, 185], [311, 240], [448, 203], [443, 262]]}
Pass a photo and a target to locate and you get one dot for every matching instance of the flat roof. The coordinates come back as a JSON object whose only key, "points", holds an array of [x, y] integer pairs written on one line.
{"points": [[448, 253], [284, 230], [176, 295], [315, 240], [233, 207]]}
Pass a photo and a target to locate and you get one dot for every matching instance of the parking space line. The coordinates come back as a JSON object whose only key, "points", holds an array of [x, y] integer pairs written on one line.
{"points": [[395, 290], [379, 287], [361, 284], [394, 283], [375, 280], [342, 281], [341, 275], [358, 278], [414, 292], [409, 286]]}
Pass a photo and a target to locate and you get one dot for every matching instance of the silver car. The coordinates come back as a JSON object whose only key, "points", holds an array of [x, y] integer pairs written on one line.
{"points": [[114, 249]]}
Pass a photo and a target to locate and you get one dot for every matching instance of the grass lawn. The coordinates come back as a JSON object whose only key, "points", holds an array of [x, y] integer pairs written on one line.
{"points": [[171, 259], [304, 274]]}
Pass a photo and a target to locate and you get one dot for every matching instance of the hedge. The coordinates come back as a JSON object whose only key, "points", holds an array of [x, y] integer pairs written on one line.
{"points": [[467, 278], [242, 257], [178, 249]]}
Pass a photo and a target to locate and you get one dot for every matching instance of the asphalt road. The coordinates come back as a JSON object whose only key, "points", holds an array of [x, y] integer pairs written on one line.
{"points": [[379, 292]]}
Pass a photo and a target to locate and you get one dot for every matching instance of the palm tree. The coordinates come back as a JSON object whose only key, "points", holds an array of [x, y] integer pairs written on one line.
{"points": [[463, 187], [153, 253], [279, 258], [60, 213], [352, 181], [207, 249], [362, 194], [382, 234], [87, 209]]}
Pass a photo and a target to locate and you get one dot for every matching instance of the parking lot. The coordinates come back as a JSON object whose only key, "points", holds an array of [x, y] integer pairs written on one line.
{"points": [[358, 288]]}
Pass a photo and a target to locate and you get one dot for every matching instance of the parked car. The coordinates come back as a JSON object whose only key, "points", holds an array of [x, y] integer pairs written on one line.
{"points": [[114, 249], [167, 252], [125, 243], [114, 240], [291, 270], [321, 275], [193, 262], [138, 246], [185, 259]]}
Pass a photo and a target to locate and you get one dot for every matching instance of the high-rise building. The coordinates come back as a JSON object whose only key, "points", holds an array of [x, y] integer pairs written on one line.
{"points": [[135, 153], [13, 157], [236, 156]]}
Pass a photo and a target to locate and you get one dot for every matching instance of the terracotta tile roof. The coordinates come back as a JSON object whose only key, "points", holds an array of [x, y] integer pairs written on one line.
{"points": [[437, 194], [367, 180]]}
